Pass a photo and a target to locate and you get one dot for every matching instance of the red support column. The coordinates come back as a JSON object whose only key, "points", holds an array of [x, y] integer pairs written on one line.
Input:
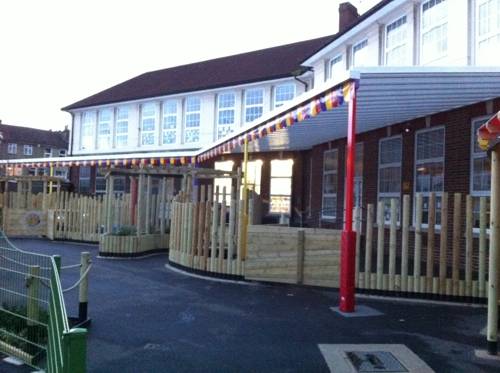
{"points": [[348, 244]]}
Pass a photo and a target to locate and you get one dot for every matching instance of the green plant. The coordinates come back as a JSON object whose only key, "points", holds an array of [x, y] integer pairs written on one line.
{"points": [[124, 230]]}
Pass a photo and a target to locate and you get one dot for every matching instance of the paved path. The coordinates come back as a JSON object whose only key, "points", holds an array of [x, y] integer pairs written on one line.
{"points": [[148, 318]]}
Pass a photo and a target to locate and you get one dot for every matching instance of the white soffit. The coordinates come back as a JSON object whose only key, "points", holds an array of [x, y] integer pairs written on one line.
{"points": [[390, 96]]}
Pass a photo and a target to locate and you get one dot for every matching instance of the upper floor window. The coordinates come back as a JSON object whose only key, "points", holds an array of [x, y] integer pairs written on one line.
{"points": [[148, 124], [12, 148], [360, 53], [28, 150], [169, 126], [487, 30], [47, 152], [434, 31], [396, 43], [283, 93], [225, 114], [254, 103], [192, 121], [281, 186], [429, 168], [389, 172], [104, 129], [121, 132], [62, 153], [330, 184], [336, 67], [87, 135]]}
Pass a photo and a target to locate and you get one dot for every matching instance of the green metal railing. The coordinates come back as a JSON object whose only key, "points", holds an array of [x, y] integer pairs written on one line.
{"points": [[66, 348], [34, 325]]}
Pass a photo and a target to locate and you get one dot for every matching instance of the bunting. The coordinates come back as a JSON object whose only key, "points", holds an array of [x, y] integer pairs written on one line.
{"points": [[326, 102]]}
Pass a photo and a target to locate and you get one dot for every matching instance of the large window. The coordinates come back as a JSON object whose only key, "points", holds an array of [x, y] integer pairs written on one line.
{"points": [[28, 150], [148, 124], [396, 43], [389, 172], [429, 168], [222, 182], [12, 148], [360, 53], [487, 31], [84, 180], [283, 93], [330, 184], [100, 181], [192, 121], [104, 129], [434, 31], [254, 103], [480, 178], [281, 186], [122, 126], [87, 126], [336, 66], [169, 129], [225, 114]]}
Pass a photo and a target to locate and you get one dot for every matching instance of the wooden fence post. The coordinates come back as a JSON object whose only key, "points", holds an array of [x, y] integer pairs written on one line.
{"points": [[443, 243], [405, 242], [431, 230], [457, 199], [418, 244], [369, 246], [300, 255], [380, 245], [392, 244]]}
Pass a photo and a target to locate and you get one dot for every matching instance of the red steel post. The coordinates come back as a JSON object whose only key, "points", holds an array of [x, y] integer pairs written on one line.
{"points": [[348, 244]]}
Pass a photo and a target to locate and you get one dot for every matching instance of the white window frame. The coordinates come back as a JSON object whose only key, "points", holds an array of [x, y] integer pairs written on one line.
{"points": [[122, 126], [12, 148], [190, 129], [170, 122], [281, 102], [425, 30], [271, 194], [253, 105], [329, 195], [47, 153], [405, 44], [399, 164], [62, 152], [28, 149], [225, 128], [87, 133], [482, 38], [429, 160], [359, 46], [149, 116], [103, 134], [89, 178], [333, 64]]}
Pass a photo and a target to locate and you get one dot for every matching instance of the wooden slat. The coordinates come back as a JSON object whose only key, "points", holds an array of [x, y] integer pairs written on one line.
{"points": [[380, 245], [431, 230], [405, 243], [418, 243], [457, 200], [369, 244]]}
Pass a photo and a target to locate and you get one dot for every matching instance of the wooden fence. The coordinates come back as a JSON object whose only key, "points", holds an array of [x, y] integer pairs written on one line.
{"points": [[206, 234], [445, 257]]}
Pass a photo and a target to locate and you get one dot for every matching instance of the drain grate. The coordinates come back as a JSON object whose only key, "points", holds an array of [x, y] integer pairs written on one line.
{"points": [[375, 361]]}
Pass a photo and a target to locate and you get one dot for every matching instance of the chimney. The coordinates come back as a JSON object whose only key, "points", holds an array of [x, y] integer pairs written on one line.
{"points": [[348, 14]]}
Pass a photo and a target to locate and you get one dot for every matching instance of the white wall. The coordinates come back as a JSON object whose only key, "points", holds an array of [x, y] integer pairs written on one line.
{"points": [[208, 124]]}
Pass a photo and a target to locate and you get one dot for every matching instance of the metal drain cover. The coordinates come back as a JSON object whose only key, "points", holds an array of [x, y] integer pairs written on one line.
{"points": [[375, 361]]}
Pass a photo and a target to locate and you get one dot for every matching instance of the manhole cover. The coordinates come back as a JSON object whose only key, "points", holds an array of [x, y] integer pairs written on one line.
{"points": [[374, 361]]}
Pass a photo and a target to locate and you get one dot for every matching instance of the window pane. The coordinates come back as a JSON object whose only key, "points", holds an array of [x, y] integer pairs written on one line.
{"points": [[283, 93], [390, 150], [481, 174], [281, 186], [281, 168], [430, 144], [390, 180], [330, 161], [430, 177], [330, 183], [280, 205], [330, 206]]}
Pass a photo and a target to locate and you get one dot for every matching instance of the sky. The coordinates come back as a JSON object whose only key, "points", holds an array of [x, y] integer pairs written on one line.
{"points": [[56, 52]]}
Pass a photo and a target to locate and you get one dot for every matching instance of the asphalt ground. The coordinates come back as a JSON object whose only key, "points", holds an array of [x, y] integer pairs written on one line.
{"points": [[149, 318]]}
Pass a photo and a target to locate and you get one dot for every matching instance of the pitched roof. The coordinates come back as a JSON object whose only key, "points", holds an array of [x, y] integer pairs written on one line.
{"points": [[265, 64], [33, 136]]}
